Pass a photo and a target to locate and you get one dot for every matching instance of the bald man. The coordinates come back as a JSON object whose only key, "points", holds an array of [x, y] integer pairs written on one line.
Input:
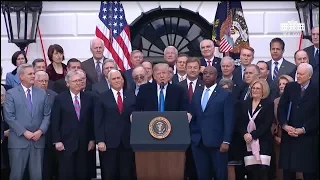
{"points": [[93, 66], [112, 129], [298, 115], [313, 51], [208, 59]]}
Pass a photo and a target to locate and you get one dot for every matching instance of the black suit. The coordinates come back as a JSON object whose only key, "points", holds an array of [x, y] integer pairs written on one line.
{"points": [[73, 133], [190, 167], [100, 87], [311, 54], [176, 98], [215, 62], [299, 154], [113, 128], [50, 162]]}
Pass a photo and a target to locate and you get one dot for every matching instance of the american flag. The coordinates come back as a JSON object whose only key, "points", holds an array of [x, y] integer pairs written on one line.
{"points": [[113, 29], [226, 44]]}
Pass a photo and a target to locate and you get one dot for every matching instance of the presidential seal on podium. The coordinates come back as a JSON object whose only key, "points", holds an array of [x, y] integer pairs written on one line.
{"points": [[159, 127]]}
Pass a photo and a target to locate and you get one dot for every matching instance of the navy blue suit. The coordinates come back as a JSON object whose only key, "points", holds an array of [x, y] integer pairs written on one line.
{"points": [[176, 98], [209, 128]]}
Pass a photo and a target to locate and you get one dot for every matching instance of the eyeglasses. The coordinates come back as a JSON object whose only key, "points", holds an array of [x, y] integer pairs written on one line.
{"points": [[138, 77]]}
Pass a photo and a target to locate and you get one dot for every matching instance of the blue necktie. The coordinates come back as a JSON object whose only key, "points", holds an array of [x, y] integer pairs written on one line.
{"points": [[161, 101], [29, 100], [316, 57], [205, 99]]}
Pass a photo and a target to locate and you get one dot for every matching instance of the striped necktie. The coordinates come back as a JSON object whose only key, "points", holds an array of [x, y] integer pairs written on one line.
{"points": [[275, 71], [77, 107]]}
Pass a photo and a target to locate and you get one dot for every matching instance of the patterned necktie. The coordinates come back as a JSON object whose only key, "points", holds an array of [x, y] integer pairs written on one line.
{"points": [[29, 99], [247, 94], [98, 70], [275, 71], [137, 90], [316, 57], [77, 107], [161, 101], [190, 91], [209, 63], [302, 91], [205, 99], [244, 72], [120, 103]]}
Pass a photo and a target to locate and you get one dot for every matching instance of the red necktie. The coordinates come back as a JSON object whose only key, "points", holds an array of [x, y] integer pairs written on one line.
{"points": [[209, 63], [120, 105], [190, 92]]}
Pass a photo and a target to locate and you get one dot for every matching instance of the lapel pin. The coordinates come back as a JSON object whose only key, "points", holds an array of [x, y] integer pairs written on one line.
{"points": [[259, 105], [215, 62], [124, 96]]}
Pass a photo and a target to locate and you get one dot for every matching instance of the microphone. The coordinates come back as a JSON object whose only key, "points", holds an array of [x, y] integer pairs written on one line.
{"points": [[162, 85]]}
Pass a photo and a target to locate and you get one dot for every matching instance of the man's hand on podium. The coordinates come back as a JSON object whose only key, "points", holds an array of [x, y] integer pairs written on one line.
{"points": [[189, 117]]}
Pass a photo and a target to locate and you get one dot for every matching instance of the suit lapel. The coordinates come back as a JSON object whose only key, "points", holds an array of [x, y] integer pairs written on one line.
{"points": [[154, 95], [24, 98], [213, 95], [198, 85], [185, 84], [92, 69], [70, 104], [305, 97], [83, 103], [282, 67]]}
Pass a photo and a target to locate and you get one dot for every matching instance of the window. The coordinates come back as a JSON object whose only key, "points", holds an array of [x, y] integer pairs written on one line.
{"points": [[152, 32]]}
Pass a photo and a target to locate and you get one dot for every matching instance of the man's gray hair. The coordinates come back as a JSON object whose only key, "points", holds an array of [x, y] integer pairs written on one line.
{"points": [[111, 61], [207, 40], [227, 82], [70, 74], [22, 67], [112, 71], [166, 49], [91, 42], [308, 67], [41, 73], [228, 58]]}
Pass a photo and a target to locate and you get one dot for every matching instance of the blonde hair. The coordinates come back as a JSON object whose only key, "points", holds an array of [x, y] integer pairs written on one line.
{"points": [[265, 88], [285, 77]]}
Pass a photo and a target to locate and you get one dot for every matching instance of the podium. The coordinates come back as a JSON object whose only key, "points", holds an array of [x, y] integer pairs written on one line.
{"points": [[159, 140]]}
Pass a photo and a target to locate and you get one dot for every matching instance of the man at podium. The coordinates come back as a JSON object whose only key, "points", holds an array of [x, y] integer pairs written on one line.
{"points": [[211, 127], [161, 96]]}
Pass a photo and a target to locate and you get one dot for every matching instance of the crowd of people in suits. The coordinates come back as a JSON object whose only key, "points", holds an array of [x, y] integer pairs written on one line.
{"points": [[253, 121]]}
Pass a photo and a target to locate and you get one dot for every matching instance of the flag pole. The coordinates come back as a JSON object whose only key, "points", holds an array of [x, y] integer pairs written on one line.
{"points": [[42, 46]]}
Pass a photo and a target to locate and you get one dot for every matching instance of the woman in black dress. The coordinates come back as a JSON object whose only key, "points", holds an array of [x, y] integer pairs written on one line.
{"points": [[255, 116]]}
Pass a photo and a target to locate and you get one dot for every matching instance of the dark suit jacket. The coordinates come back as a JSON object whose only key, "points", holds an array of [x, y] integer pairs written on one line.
{"points": [[175, 79], [89, 67], [286, 68], [100, 87], [51, 85], [66, 127], [216, 63], [310, 51], [199, 86], [112, 127], [215, 124], [2, 126], [299, 153], [263, 121], [128, 75], [176, 98]]}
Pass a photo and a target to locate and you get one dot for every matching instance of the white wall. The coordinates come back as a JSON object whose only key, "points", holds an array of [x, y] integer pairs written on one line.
{"points": [[72, 25]]}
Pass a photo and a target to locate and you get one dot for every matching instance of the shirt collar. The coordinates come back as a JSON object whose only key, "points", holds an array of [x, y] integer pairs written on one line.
{"points": [[306, 86], [25, 89], [193, 82], [115, 92], [212, 88], [279, 62], [73, 95], [100, 60], [165, 87]]}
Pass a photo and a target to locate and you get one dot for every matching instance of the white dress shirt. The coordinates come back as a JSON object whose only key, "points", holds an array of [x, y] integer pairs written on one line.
{"points": [[181, 78], [115, 94], [26, 91], [210, 91], [211, 60], [273, 65], [194, 83], [100, 64], [73, 97]]}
